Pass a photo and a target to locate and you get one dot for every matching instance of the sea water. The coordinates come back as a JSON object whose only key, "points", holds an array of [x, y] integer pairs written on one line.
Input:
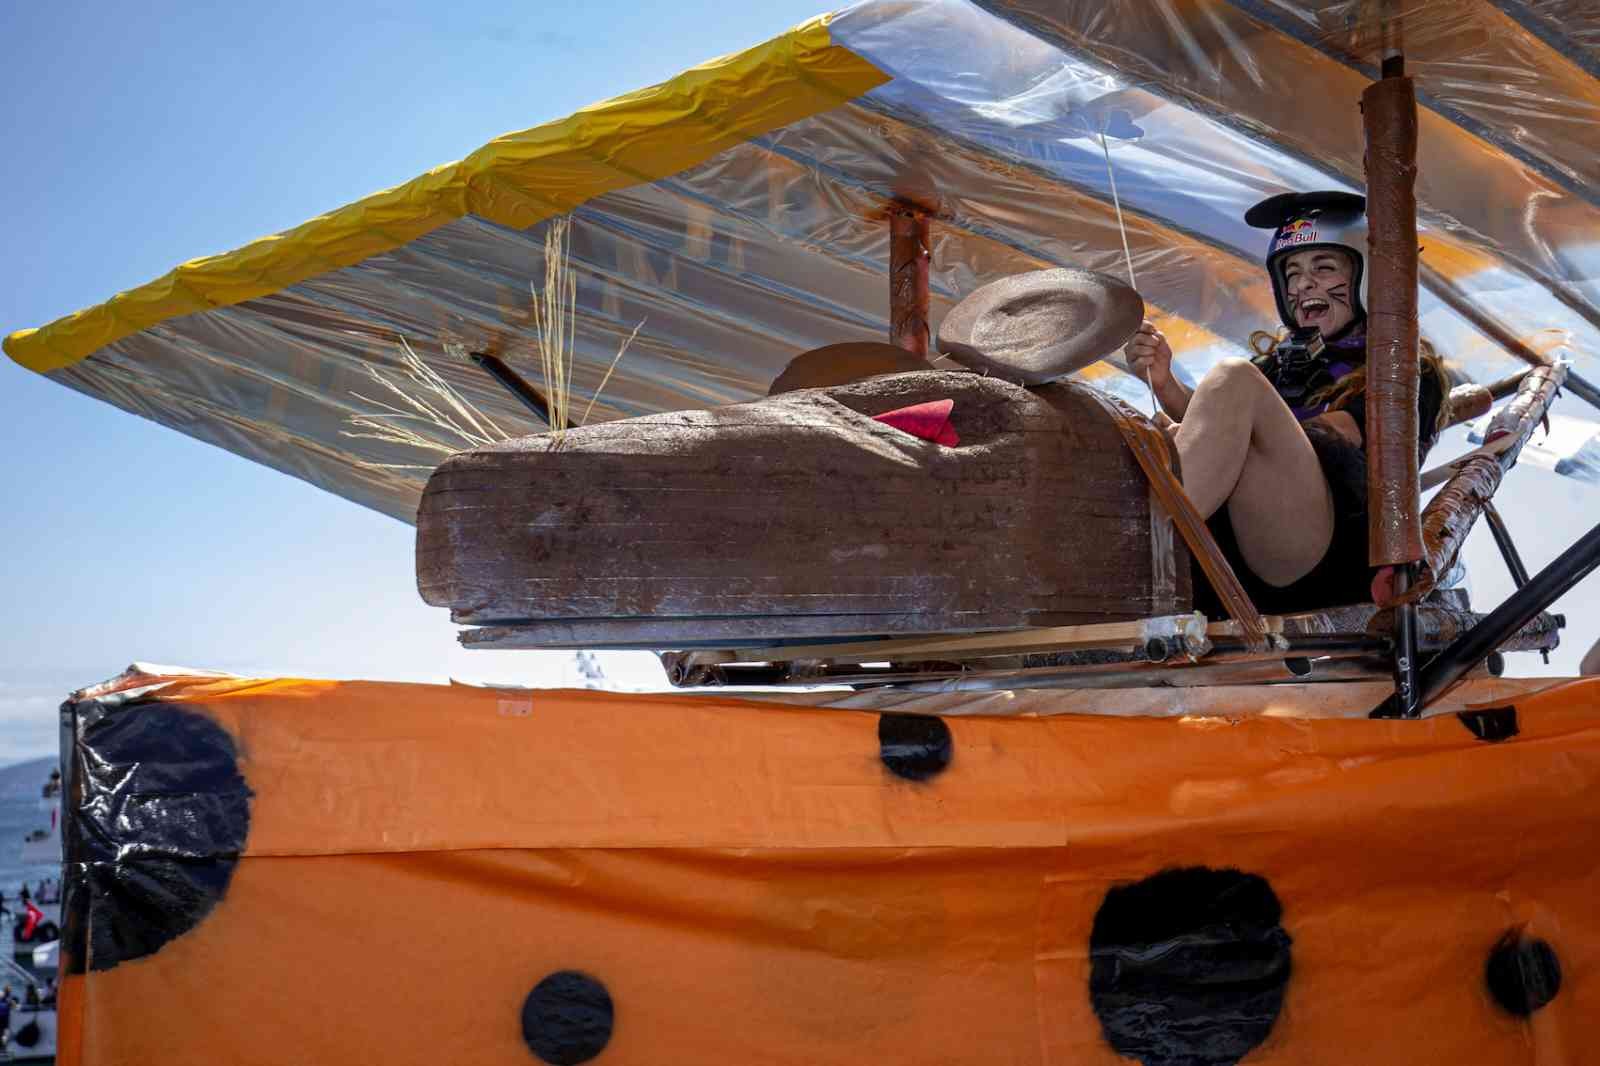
{"points": [[21, 812]]}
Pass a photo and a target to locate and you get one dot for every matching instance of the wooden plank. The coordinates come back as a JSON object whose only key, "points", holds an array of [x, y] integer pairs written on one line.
{"points": [[1044, 638]]}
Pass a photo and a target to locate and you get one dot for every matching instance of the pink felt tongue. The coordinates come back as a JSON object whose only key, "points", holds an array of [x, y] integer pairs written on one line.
{"points": [[929, 421]]}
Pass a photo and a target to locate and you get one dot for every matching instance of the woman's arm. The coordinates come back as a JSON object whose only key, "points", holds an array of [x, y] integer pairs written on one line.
{"points": [[1149, 353]]}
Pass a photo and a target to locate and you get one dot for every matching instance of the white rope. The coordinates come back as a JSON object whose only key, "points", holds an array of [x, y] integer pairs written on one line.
{"points": [[1127, 253]]}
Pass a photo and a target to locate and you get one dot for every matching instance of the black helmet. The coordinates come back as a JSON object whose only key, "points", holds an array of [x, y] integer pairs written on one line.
{"points": [[1301, 221]]}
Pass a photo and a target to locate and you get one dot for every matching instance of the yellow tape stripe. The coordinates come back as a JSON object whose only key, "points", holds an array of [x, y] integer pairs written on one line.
{"points": [[517, 180]]}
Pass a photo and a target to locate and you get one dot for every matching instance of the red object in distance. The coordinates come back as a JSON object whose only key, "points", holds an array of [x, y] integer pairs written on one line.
{"points": [[929, 421]]}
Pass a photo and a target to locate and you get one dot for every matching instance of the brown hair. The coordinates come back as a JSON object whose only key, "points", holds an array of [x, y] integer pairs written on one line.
{"points": [[1352, 384]]}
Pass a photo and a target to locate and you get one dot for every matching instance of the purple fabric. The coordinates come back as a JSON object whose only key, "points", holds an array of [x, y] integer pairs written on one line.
{"points": [[1347, 345]]}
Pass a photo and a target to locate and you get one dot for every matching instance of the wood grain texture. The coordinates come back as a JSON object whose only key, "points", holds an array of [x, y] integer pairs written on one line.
{"points": [[799, 515]]}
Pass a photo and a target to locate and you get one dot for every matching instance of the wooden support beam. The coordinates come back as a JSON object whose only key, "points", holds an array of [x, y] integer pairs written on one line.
{"points": [[1189, 630], [1170, 639], [1469, 401], [908, 278], [1389, 111]]}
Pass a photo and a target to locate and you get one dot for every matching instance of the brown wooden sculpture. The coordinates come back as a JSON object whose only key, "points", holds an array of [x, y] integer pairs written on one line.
{"points": [[802, 516]]}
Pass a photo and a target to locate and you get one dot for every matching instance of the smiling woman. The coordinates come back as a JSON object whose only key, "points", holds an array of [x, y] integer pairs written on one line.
{"points": [[1319, 285], [1272, 448]]}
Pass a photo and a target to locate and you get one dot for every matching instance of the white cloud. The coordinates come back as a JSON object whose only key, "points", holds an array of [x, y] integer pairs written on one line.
{"points": [[29, 723]]}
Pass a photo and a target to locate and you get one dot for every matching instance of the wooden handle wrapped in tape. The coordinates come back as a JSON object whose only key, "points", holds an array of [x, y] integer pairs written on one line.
{"points": [[1394, 529], [1450, 515]]}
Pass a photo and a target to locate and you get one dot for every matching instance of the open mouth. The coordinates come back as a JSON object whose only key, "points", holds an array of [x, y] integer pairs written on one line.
{"points": [[1312, 311]]}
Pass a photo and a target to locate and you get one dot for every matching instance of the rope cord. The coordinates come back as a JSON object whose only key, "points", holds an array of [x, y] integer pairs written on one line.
{"points": [[1127, 253]]}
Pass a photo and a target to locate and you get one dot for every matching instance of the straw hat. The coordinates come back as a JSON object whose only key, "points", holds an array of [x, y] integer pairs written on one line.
{"points": [[1031, 328], [840, 364]]}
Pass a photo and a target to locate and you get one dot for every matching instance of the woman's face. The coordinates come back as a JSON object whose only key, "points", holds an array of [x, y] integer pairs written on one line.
{"points": [[1317, 283]]}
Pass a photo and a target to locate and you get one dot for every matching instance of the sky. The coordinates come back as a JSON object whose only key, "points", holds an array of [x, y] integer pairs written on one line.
{"points": [[141, 136]]}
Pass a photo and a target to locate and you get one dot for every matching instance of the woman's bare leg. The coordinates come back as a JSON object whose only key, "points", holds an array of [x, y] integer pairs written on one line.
{"points": [[1240, 444]]}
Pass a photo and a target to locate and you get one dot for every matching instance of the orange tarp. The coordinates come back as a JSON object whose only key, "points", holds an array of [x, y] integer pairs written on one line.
{"points": [[751, 883]]}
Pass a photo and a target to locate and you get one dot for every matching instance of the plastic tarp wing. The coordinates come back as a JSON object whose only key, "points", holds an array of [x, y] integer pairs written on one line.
{"points": [[344, 872], [736, 217]]}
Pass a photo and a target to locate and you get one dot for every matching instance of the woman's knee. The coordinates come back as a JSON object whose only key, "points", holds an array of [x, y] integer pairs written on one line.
{"points": [[1234, 373]]}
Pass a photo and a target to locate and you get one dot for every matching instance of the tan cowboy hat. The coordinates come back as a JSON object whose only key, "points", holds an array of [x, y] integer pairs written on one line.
{"points": [[1034, 327], [840, 364]]}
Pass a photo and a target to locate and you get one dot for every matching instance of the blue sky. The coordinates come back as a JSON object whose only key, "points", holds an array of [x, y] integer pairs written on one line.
{"points": [[141, 136]]}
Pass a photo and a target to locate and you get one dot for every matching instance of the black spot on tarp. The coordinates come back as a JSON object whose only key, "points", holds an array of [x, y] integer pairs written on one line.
{"points": [[156, 818], [28, 1035], [1523, 973], [1189, 966], [567, 1018], [1491, 723], [914, 746]]}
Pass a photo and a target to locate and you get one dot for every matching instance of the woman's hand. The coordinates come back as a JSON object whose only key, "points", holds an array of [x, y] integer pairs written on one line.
{"points": [[1149, 353]]}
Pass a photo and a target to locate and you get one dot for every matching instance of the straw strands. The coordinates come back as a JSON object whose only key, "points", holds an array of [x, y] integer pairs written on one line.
{"points": [[420, 409], [615, 360], [419, 400], [555, 321]]}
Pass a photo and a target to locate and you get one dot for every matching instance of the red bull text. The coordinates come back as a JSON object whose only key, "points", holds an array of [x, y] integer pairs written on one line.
{"points": [[1300, 231]]}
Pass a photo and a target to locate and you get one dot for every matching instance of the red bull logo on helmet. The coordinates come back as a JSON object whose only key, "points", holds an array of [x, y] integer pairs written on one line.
{"points": [[1299, 231]]}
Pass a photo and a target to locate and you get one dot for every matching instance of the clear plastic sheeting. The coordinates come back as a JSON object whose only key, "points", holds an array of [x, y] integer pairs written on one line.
{"points": [[1272, 73], [1007, 122], [1571, 27], [1482, 66]]}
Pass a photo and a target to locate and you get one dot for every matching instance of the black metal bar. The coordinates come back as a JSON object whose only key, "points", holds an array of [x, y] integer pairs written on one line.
{"points": [[1502, 540], [1476, 644], [531, 398], [1508, 552], [1583, 389], [1507, 386], [1405, 647]]}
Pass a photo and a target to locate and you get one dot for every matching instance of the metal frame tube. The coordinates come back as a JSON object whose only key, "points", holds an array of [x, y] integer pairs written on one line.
{"points": [[1583, 389], [1405, 647], [513, 383], [1502, 540], [1508, 386], [1394, 522], [1394, 528], [1479, 642], [908, 279]]}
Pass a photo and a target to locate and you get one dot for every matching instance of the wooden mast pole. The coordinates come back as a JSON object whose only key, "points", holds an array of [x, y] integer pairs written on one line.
{"points": [[908, 278], [1389, 113]]}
